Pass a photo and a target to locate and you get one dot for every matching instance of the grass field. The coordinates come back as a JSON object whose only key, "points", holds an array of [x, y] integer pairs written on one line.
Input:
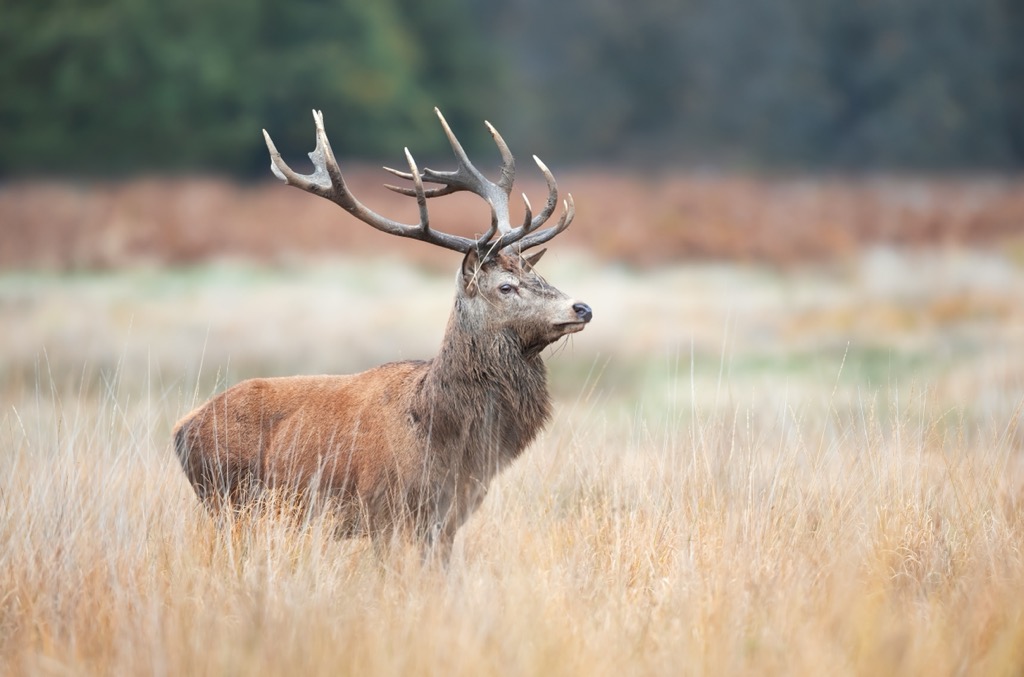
{"points": [[818, 470]]}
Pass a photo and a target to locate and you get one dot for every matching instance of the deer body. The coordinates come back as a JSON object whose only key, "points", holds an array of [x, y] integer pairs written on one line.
{"points": [[407, 448]]}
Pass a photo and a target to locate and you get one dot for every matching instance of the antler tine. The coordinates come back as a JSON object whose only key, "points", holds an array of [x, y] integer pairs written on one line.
{"points": [[568, 213], [421, 198], [327, 182], [531, 224], [528, 216], [466, 174], [549, 206], [508, 162], [410, 192]]}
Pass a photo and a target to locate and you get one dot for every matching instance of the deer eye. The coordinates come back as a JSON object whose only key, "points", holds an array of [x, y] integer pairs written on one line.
{"points": [[506, 288]]}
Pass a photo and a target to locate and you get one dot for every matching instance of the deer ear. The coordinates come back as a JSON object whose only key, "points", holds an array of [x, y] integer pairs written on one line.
{"points": [[470, 269], [532, 259]]}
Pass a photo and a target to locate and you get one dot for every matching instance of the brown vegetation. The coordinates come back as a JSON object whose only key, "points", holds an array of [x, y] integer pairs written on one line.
{"points": [[662, 219], [833, 485], [805, 472]]}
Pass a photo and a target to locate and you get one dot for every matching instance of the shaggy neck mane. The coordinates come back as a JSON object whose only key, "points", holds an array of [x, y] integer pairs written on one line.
{"points": [[484, 392]]}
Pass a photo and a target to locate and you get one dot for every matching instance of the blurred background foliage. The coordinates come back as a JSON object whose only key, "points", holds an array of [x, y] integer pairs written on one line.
{"points": [[112, 87]]}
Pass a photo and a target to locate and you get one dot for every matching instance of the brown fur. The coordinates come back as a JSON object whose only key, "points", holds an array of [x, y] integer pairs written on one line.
{"points": [[407, 447]]}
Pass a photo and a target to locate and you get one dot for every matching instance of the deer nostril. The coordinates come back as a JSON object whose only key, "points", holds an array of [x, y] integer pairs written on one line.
{"points": [[583, 311]]}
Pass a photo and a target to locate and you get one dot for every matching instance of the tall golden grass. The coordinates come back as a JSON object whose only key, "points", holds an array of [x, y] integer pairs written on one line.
{"points": [[715, 496]]}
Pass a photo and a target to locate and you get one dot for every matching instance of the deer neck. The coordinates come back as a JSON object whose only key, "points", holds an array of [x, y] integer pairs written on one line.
{"points": [[484, 391]]}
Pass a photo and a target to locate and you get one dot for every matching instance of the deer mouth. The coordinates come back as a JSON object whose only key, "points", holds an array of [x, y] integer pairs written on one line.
{"points": [[571, 327]]}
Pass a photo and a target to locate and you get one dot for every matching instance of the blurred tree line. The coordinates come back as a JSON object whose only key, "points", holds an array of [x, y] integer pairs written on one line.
{"points": [[114, 86], [846, 84], [119, 86]]}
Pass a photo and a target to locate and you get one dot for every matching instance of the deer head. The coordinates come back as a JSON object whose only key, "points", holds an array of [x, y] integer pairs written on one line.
{"points": [[499, 291], [504, 296]]}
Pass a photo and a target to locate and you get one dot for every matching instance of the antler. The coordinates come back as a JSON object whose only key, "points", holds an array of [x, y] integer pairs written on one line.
{"points": [[328, 182]]}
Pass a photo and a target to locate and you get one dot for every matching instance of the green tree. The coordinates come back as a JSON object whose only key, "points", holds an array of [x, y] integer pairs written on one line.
{"points": [[122, 85]]}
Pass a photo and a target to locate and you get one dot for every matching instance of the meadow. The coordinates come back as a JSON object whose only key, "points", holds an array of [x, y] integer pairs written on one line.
{"points": [[753, 469]]}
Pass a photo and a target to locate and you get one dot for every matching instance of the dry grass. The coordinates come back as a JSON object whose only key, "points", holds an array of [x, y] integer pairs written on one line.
{"points": [[812, 473]]}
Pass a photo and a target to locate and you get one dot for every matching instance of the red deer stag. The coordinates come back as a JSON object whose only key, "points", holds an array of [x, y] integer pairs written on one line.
{"points": [[409, 448]]}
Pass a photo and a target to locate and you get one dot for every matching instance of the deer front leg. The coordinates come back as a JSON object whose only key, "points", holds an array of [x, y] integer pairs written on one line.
{"points": [[440, 537]]}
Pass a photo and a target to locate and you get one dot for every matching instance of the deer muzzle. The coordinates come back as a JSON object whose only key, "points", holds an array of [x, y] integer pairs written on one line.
{"points": [[583, 312]]}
